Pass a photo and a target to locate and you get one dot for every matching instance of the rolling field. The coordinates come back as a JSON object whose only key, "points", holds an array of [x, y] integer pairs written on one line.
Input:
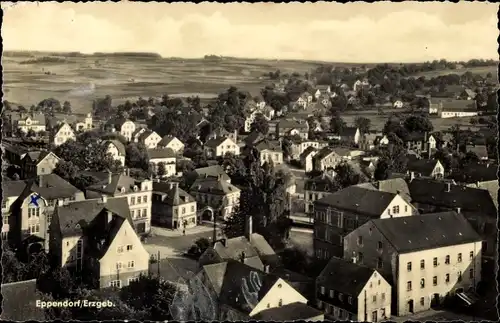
{"points": [[80, 79], [476, 70]]}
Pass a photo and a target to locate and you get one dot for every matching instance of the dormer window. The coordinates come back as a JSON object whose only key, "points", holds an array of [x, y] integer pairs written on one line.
{"points": [[77, 226], [122, 190], [136, 188]]}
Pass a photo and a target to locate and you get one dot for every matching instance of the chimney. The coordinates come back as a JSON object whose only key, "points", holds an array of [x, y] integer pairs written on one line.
{"points": [[104, 199], [249, 228], [412, 176], [109, 217], [242, 257], [448, 187], [223, 241], [353, 260], [398, 192], [266, 269], [110, 177], [128, 171], [458, 210], [60, 202]]}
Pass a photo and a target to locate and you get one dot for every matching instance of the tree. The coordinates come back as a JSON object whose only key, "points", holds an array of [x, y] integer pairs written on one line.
{"points": [[234, 226], [382, 170], [66, 107], [137, 156], [286, 146], [363, 124], [12, 269], [260, 124], [202, 244], [161, 170], [346, 176], [418, 123], [66, 169], [296, 260], [337, 124], [31, 133]]}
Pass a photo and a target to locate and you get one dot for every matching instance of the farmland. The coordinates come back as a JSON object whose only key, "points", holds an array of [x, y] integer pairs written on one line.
{"points": [[81, 79], [483, 70]]}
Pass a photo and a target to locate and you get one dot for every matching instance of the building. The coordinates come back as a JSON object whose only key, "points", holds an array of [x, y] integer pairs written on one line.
{"points": [[173, 143], [306, 158], [351, 135], [268, 152], [299, 146], [479, 150], [215, 171], [37, 163], [326, 159], [435, 105], [420, 142], [149, 138], [216, 193], [116, 149], [318, 187], [125, 127], [291, 312], [458, 109], [337, 214], [425, 258], [13, 154], [220, 146], [467, 94], [398, 104], [292, 127], [137, 192], [391, 185], [173, 207], [11, 190], [29, 121], [98, 236], [165, 156], [228, 284], [61, 134], [19, 302], [78, 122], [352, 292], [32, 212], [425, 168], [267, 113]]}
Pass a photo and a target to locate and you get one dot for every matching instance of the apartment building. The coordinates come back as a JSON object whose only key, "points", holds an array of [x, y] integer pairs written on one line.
{"points": [[425, 258], [337, 214], [137, 192], [318, 187], [173, 207]]}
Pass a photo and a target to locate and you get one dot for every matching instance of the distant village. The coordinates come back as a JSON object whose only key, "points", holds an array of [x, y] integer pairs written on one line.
{"points": [[402, 216]]}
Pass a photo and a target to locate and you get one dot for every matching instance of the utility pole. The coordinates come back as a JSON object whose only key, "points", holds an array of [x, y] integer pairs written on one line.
{"points": [[159, 264], [214, 234]]}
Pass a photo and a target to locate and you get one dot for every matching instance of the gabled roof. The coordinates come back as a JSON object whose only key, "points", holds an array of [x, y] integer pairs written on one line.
{"points": [[395, 186], [157, 153], [12, 188], [349, 131], [321, 183], [427, 231], [118, 144], [75, 216], [309, 150], [52, 186], [173, 195], [214, 186], [145, 135], [422, 166], [458, 106], [323, 152], [292, 124], [117, 123], [267, 145], [19, 302], [476, 172], [344, 276], [480, 150], [100, 237], [359, 200], [431, 192], [215, 142], [288, 312], [118, 181], [166, 140], [253, 137]]}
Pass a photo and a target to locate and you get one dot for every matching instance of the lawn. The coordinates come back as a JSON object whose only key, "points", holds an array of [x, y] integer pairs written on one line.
{"points": [[483, 70]]}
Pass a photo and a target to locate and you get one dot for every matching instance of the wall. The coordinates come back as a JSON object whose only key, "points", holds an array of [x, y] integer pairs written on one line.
{"points": [[379, 288], [281, 291]]}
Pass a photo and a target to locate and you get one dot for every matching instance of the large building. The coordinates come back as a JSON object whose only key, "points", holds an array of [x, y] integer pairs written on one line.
{"points": [[337, 214], [426, 258], [173, 207]]}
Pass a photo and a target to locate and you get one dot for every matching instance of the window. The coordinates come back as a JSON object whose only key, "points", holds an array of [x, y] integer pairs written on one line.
{"points": [[120, 249], [49, 218], [422, 301], [374, 298], [341, 313], [408, 286], [322, 290], [349, 300], [422, 264], [118, 265], [145, 199], [360, 257], [435, 262], [360, 241], [32, 212], [192, 208], [280, 303], [331, 293], [5, 235], [115, 283], [406, 208], [447, 260], [320, 304], [471, 255], [380, 263], [132, 200], [131, 264], [144, 213], [133, 279], [379, 245], [434, 281], [5, 219], [395, 209], [383, 296], [447, 278], [138, 200], [459, 278], [422, 283], [183, 210], [341, 296], [459, 257], [408, 266], [34, 228], [129, 247], [132, 213], [471, 273]]}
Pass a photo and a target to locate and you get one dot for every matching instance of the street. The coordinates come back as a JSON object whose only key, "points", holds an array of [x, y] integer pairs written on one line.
{"points": [[435, 315]]}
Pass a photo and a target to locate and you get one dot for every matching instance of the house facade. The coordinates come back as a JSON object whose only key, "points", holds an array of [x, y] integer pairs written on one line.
{"points": [[150, 139], [220, 146], [61, 134], [125, 127], [326, 159], [173, 207], [38, 163], [117, 150], [299, 146], [30, 121], [216, 193], [166, 157], [171, 142]]}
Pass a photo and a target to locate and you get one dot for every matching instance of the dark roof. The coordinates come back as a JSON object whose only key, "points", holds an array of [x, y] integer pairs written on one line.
{"points": [[285, 124], [118, 181], [323, 152], [172, 194], [428, 231], [458, 106], [166, 140], [321, 183], [359, 200], [51, 187], [19, 302], [349, 131], [212, 171], [267, 145], [422, 166], [161, 153], [84, 212], [289, 312], [435, 193], [476, 172], [117, 123], [479, 150], [118, 145], [100, 236], [307, 151], [216, 142], [213, 186], [253, 137], [12, 188], [344, 276], [396, 186]]}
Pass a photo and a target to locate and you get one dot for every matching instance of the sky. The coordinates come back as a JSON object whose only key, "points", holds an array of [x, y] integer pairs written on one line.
{"points": [[354, 32]]}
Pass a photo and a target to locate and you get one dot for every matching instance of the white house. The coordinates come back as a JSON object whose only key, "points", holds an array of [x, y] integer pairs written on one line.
{"points": [[458, 109], [171, 142], [165, 156], [219, 146], [398, 104], [150, 139], [116, 149], [61, 134]]}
